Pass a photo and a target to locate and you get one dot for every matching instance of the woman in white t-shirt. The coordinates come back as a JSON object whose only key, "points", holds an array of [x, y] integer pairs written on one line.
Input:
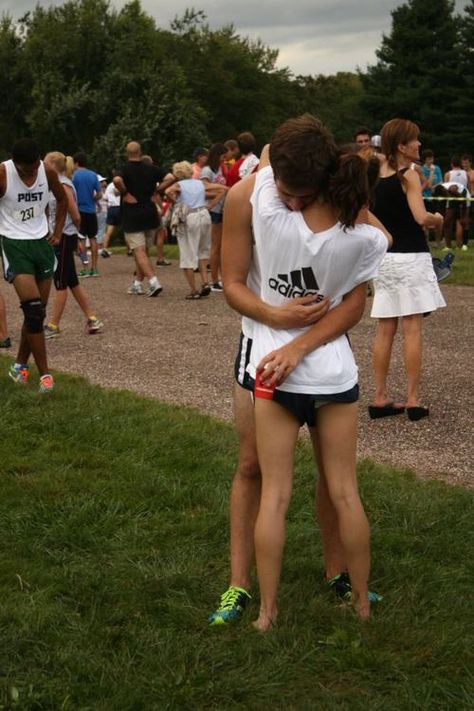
{"points": [[316, 248]]}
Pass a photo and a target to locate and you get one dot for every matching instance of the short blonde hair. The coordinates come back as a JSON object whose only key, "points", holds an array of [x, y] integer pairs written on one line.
{"points": [[59, 160], [183, 170]]}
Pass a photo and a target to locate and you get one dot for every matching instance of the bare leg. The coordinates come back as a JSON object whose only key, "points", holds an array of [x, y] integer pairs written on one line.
{"points": [[382, 351], [202, 264], [82, 250], [28, 288], [59, 304], [24, 349], [449, 226], [459, 234], [160, 240], [412, 351], [3, 319], [108, 236], [215, 259], [94, 252], [82, 301], [245, 499], [142, 262], [337, 437], [245, 492], [326, 514], [189, 276], [464, 223], [277, 431]]}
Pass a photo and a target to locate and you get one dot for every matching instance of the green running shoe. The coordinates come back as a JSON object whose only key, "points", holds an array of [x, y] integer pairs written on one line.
{"points": [[341, 585], [19, 373], [231, 607]]}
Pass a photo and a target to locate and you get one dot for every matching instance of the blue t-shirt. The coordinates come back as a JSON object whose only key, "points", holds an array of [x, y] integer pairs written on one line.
{"points": [[437, 178], [86, 183]]}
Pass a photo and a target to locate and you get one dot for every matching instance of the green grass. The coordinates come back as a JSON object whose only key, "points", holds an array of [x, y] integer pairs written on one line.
{"points": [[113, 550], [463, 265]]}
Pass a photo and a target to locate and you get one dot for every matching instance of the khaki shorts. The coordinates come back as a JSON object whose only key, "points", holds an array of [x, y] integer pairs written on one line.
{"points": [[146, 238], [194, 240]]}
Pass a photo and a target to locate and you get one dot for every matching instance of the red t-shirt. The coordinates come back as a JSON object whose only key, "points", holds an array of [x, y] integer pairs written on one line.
{"points": [[233, 176]]}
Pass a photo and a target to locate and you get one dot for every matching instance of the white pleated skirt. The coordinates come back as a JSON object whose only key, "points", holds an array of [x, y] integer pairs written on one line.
{"points": [[406, 284]]}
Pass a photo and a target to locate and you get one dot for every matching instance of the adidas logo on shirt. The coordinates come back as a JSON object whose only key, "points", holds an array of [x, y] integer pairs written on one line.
{"points": [[300, 282]]}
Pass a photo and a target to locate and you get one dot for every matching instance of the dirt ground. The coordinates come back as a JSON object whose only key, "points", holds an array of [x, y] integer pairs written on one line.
{"points": [[182, 352]]}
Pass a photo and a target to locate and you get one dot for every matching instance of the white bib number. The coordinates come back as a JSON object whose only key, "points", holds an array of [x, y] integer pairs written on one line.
{"points": [[27, 213]]}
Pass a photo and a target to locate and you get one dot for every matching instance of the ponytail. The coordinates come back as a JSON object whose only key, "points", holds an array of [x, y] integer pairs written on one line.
{"points": [[348, 189]]}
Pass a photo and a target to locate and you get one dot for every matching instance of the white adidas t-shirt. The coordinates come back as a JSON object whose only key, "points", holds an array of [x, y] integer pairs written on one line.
{"points": [[294, 261], [253, 283]]}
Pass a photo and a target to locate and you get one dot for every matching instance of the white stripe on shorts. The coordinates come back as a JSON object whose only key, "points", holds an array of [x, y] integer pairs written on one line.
{"points": [[5, 263], [243, 360]]}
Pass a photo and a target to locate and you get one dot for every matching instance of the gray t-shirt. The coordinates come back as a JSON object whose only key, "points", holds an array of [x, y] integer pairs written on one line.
{"points": [[208, 174]]}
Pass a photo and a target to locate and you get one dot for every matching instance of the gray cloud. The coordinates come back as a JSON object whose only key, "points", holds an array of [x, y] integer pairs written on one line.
{"points": [[313, 36]]}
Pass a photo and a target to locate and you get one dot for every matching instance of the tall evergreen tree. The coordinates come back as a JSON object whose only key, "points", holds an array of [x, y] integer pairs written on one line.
{"points": [[463, 128], [417, 75]]}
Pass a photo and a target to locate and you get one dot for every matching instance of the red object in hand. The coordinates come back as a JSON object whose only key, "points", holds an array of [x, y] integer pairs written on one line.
{"points": [[263, 391]]}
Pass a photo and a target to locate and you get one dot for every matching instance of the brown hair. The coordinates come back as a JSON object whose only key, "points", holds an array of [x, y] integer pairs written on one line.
{"points": [[216, 151], [362, 131], [395, 132], [303, 153], [246, 141], [372, 165]]}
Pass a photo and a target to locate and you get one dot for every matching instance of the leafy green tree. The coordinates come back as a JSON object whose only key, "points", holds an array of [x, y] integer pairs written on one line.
{"points": [[336, 100], [85, 75], [234, 79], [63, 56], [14, 85], [417, 73]]}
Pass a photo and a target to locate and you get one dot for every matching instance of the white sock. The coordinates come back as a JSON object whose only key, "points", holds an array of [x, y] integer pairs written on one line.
{"points": [[137, 283], [153, 281]]}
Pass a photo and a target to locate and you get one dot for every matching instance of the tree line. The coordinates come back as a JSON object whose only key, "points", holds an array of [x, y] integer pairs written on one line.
{"points": [[85, 75]]}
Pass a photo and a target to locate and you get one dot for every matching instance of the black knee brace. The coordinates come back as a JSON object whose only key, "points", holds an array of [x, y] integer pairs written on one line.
{"points": [[34, 311]]}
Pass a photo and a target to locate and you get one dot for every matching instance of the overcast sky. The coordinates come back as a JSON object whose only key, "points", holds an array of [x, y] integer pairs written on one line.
{"points": [[313, 36]]}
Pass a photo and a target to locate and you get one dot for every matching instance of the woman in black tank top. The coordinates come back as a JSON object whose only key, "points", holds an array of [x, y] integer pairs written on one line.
{"points": [[406, 287]]}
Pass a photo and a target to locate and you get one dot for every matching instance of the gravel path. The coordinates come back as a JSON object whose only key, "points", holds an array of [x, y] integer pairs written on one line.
{"points": [[182, 352]]}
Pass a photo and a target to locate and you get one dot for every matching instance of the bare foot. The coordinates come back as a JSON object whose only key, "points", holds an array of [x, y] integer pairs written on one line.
{"points": [[361, 607], [265, 622], [387, 402]]}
